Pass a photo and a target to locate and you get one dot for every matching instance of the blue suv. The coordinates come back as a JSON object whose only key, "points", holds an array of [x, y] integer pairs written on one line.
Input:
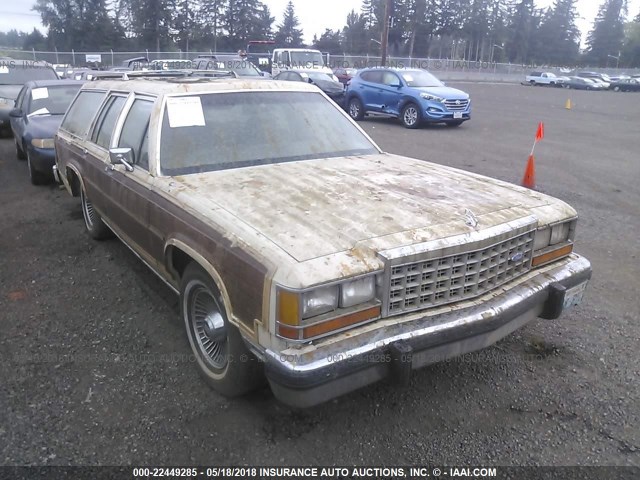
{"points": [[414, 96]]}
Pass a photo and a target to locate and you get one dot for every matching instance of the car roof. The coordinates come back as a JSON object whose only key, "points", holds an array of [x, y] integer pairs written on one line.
{"points": [[182, 85], [52, 83]]}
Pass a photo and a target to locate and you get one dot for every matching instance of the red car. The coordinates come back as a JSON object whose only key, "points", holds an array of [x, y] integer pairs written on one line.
{"points": [[344, 74]]}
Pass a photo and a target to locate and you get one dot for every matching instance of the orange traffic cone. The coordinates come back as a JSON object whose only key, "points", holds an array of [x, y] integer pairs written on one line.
{"points": [[529, 179]]}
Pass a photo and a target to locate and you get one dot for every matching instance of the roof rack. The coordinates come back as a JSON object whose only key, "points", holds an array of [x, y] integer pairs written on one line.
{"points": [[168, 74]]}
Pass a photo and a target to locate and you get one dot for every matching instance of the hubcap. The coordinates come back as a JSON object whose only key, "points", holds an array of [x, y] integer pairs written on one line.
{"points": [[354, 109], [410, 116], [208, 326], [87, 210]]}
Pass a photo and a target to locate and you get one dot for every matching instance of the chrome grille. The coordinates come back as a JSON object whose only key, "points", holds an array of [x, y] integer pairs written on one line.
{"points": [[460, 276], [455, 105]]}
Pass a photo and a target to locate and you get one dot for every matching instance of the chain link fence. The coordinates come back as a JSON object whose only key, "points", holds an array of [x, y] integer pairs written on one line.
{"points": [[447, 69]]}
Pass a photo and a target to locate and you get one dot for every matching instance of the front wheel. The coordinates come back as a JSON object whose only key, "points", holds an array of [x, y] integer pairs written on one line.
{"points": [[355, 109], [410, 116], [96, 228], [222, 357]]}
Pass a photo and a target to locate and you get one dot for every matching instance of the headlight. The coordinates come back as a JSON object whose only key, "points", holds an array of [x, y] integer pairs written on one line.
{"points": [[553, 243], [433, 98], [307, 314], [319, 301], [42, 142], [542, 239], [559, 233], [357, 291]]}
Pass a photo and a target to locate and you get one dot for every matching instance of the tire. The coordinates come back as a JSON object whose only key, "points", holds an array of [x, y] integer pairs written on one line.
{"points": [[355, 109], [410, 116], [36, 177], [20, 155], [532, 82], [616, 88], [96, 228], [455, 123], [221, 355]]}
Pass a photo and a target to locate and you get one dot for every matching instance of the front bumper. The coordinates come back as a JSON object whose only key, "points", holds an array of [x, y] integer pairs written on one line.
{"points": [[393, 347]]}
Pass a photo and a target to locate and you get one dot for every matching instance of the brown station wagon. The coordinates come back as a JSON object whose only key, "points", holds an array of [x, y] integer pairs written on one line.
{"points": [[301, 252]]}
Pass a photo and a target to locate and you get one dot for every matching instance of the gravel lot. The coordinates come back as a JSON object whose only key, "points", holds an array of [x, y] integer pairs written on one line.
{"points": [[96, 369]]}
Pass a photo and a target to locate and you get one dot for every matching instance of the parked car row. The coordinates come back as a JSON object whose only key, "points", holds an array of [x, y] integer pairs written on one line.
{"points": [[586, 81]]}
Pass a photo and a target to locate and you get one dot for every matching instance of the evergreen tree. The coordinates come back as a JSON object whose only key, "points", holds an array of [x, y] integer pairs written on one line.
{"points": [[329, 41], [631, 50], [558, 35], [355, 34], [288, 32], [521, 28], [607, 35]]}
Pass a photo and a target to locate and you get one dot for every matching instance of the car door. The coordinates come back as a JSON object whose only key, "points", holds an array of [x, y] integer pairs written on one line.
{"points": [[129, 191], [370, 90], [96, 180], [70, 139], [391, 93]]}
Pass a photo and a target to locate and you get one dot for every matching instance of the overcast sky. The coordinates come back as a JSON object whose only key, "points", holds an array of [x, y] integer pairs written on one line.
{"points": [[314, 15]]}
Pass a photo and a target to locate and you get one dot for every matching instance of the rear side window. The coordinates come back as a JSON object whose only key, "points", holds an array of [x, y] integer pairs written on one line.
{"points": [[135, 131], [374, 77], [107, 121], [82, 111]]}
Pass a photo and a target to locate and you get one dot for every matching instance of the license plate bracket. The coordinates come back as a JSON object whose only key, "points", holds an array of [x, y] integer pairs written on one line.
{"points": [[573, 296], [457, 114]]}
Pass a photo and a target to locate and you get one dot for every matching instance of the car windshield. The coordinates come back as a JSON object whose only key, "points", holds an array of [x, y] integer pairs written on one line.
{"points": [[319, 77], [20, 74], [52, 100], [420, 78], [241, 129], [306, 59]]}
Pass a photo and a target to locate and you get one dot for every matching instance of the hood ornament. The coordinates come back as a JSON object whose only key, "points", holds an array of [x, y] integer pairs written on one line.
{"points": [[470, 218]]}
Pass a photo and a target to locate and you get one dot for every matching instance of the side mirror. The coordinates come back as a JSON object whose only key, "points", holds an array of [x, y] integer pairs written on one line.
{"points": [[396, 85], [16, 113], [122, 156]]}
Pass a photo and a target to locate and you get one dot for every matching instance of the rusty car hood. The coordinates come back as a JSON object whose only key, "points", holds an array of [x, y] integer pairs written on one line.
{"points": [[315, 208]]}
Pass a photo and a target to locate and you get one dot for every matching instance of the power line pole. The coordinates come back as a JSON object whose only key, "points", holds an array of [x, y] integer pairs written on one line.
{"points": [[384, 41]]}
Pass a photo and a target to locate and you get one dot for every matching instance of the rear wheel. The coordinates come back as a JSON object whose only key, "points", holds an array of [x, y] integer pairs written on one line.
{"points": [[92, 219], [36, 177], [222, 357], [410, 116], [355, 109]]}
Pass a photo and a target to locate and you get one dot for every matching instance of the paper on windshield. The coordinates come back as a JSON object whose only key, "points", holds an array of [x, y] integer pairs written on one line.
{"points": [[40, 111], [407, 77], [185, 112], [39, 93], [4, 69]]}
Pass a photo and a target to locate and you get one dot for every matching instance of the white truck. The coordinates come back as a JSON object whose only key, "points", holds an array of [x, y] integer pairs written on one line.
{"points": [[543, 78], [298, 59]]}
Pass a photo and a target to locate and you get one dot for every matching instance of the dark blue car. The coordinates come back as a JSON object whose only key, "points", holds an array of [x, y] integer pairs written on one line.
{"points": [[38, 111], [412, 95]]}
